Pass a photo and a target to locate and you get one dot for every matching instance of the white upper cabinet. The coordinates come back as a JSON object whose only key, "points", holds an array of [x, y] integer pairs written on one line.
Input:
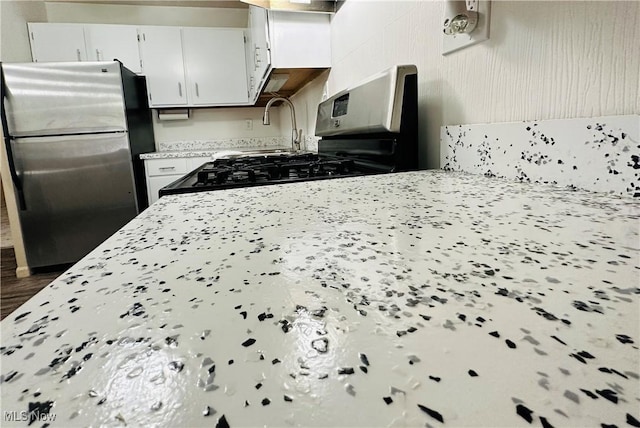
{"points": [[57, 42], [106, 42], [163, 66], [259, 42], [299, 40], [215, 64]]}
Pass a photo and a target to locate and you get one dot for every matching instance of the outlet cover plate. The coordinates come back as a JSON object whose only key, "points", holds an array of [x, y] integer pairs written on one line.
{"points": [[479, 34]]}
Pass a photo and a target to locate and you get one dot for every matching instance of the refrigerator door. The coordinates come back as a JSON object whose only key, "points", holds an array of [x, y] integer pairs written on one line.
{"points": [[63, 98], [78, 191]]}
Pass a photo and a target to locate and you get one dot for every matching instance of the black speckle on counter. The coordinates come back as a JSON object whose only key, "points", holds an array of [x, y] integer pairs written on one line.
{"points": [[388, 400], [473, 373], [545, 423], [248, 342], [346, 371], [510, 344], [266, 402], [632, 421], [287, 398], [435, 415], [363, 358], [176, 366], [608, 394], [37, 410], [222, 422], [623, 338], [524, 412]]}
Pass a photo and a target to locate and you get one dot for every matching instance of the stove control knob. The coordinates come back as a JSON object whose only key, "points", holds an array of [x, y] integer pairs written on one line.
{"points": [[336, 123]]}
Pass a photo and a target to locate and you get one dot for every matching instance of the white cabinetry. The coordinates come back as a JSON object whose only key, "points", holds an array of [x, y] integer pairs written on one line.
{"points": [[292, 47], [162, 63], [85, 42], [57, 42], [214, 60], [299, 40], [258, 59], [161, 172], [106, 42]]}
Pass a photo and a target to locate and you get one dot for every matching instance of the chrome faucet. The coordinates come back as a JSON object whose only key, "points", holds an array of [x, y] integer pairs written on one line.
{"points": [[296, 134]]}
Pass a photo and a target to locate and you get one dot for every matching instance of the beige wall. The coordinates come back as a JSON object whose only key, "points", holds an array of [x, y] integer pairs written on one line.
{"points": [[14, 47], [218, 124], [146, 15], [544, 60], [14, 15]]}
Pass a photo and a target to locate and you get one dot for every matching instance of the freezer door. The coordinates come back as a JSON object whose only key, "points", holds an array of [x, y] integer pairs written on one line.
{"points": [[63, 98], [78, 191]]}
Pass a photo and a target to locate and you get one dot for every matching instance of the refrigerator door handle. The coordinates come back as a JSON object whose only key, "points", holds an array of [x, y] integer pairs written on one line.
{"points": [[7, 140]]}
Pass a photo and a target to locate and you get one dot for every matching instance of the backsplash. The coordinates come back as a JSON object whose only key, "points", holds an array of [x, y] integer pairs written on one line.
{"points": [[309, 143], [600, 154], [229, 143]]}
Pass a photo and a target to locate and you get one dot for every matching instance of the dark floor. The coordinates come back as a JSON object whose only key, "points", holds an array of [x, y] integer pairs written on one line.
{"points": [[15, 291]]}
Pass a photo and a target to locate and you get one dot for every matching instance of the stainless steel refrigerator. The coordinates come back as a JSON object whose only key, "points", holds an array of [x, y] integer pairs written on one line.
{"points": [[73, 132]]}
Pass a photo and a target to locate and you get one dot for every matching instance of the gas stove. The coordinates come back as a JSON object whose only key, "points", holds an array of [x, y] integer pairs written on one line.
{"points": [[263, 170], [371, 128]]}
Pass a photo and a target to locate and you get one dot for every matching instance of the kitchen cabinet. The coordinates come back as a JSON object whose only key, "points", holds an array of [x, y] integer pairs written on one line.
{"points": [[215, 66], [85, 42], [106, 42], [258, 55], [57, 42], [290, 47], [160, 172], [163, 65]]}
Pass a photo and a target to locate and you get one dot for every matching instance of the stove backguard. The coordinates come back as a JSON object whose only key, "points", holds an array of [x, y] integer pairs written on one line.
{"points": [[374, 123]]}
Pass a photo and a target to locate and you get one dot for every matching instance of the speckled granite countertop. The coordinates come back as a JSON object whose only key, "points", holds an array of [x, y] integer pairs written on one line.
{"points": [[214, 152], [412, 299]]}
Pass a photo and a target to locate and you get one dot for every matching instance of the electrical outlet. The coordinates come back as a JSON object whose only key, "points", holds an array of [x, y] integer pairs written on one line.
{"points": [[248, 124], [455, 42]]}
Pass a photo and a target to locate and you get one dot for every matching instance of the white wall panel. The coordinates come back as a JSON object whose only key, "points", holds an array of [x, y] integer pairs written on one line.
{"points": [[544, 60]]}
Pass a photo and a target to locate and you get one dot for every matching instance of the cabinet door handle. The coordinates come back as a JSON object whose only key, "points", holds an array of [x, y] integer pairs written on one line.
{"points": [[98, 54], [78, 53], [167, 168], [180, 89], [197, 90]]}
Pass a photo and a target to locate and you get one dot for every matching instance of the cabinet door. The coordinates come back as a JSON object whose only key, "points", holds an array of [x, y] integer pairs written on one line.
{"points": [[300, 39], [108, 42], [162, 64], [57, 42], [154, 184], [215, 65], [259, 42]]}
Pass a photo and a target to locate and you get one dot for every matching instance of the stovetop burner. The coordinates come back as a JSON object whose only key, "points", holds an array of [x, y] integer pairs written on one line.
{"points": [[230, 173], [272, 169]]}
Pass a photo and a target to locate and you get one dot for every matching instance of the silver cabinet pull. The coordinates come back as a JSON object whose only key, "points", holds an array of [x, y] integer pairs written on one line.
{"points": [[98, 54], [78, 53], [180, 88], [167, 168], [197, 90]]}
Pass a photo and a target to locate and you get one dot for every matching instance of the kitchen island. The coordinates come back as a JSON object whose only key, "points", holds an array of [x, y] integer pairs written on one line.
{"points": [[413, 299]]}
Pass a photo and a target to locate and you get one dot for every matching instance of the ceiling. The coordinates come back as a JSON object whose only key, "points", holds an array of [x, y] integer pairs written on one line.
{"points": [[236, 4]]}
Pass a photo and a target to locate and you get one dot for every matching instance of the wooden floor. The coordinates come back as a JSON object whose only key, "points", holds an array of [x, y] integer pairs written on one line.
{"points": [[13, 291]]}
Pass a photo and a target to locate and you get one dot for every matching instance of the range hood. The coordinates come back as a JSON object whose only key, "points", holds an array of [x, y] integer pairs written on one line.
{"points": [[318, 6]]}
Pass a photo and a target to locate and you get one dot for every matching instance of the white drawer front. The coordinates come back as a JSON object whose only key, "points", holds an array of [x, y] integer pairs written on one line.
{"points": [[172, 166]]}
